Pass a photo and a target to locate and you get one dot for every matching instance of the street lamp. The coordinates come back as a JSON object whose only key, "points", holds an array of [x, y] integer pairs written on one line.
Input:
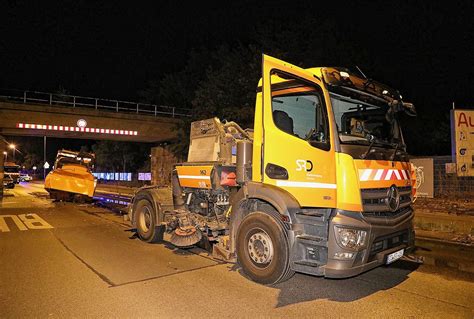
{"points": [[12, 146]]}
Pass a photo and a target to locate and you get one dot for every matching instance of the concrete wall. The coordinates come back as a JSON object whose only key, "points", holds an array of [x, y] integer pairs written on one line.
{"points": [[150, 129], [162, 160], [2, 158]]}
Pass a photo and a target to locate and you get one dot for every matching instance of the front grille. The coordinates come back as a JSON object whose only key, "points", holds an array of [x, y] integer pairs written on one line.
{"points": [[397, 213], [375, 200], [388, 242]]}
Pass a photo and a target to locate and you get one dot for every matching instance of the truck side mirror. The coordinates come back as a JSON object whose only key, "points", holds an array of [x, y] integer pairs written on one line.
{"points": [[409, 109]]}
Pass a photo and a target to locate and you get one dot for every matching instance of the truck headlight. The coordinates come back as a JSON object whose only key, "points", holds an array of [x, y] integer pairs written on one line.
{"points": [[350, 238]]}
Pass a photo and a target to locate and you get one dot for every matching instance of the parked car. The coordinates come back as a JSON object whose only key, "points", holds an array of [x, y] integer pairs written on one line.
{"points": [[25, 178], [8, 181]]}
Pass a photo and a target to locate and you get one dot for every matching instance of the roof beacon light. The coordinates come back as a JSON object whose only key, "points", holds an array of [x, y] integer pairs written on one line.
{"points": [[344, 74]]}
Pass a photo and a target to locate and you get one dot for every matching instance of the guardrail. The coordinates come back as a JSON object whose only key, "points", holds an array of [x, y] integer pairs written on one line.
{"points": [[73, 101]]}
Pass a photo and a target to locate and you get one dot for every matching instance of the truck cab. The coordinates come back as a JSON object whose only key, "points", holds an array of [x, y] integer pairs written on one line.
{"points": [[321, 184], [331, 140]]}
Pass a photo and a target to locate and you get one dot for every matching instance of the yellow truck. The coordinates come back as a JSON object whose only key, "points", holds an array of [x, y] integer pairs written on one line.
{"points": [[321, 185], [71, 179]]}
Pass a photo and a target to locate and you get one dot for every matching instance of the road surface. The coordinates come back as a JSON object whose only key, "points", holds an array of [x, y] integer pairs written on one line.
{"points": [[62, 260]]}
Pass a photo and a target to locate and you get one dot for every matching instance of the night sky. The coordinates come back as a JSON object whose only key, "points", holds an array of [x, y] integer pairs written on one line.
{"points": [[114, 50]]}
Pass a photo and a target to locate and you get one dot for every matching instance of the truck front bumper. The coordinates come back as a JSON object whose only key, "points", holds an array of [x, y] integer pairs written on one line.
{"points": [[384, 235]]}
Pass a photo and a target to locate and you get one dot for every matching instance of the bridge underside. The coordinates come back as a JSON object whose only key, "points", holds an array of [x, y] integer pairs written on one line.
{"points": [[39, 120]]}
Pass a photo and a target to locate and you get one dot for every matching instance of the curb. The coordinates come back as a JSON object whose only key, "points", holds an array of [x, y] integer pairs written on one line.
{"points": [[443, 222], [444, 241]]}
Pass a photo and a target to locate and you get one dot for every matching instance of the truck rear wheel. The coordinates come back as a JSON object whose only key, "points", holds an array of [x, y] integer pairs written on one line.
{"points": [[145, 221], [262, 249]]}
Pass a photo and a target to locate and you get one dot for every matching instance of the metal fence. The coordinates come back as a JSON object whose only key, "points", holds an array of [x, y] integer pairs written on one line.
{"points": [[73, 101], [450, 184], [118, 176]]}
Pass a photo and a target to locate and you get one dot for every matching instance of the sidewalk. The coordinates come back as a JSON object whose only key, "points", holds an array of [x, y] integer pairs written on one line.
{"points": [[444, 231], [445, 220]]}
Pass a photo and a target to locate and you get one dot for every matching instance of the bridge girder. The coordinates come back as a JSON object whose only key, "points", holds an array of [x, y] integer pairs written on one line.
{"points": [[149, 129]]}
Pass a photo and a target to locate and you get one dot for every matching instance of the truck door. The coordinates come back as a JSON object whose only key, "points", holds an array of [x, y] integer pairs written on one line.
{"points": [[297, 150]]}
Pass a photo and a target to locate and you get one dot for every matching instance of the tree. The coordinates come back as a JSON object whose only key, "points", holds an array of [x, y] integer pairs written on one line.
{"points": [[219, 84], [112, 156], [228, 89], [177, 89], [221, 81], [31, 159]]}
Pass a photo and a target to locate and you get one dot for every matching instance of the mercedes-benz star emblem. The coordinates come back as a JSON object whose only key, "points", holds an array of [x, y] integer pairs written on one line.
{"points": [[393, 198]]}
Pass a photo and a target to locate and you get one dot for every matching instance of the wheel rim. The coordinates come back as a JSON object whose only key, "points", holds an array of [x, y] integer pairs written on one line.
{"points": [[145, 219], [260, 248]]}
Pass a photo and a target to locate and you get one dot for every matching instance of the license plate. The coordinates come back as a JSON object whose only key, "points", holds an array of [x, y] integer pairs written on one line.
{"points": [[394, 256]]}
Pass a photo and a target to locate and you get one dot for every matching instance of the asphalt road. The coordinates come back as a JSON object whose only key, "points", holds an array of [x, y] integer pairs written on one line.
{"points": [[68, 260]]}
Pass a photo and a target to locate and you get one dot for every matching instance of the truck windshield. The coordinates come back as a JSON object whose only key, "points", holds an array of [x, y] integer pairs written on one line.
{"points": [[356, 121]]}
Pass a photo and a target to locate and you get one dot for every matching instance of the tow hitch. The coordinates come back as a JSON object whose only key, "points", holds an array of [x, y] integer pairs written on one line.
{"points": [[413, 258]]}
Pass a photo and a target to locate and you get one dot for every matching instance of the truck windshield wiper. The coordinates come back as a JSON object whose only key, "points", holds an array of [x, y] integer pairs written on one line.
{"points": [[374, 141], [397, 146], [371, 139]]}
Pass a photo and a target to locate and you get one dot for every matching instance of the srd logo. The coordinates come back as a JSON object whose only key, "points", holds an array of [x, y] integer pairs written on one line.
{"points": [[304, 165], [203, 172]]}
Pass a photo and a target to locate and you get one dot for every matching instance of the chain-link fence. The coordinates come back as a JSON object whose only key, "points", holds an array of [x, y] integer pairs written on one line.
{"points": [[449, 184]]}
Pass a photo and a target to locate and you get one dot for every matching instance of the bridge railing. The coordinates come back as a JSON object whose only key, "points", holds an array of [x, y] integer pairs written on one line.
{"points": [[73, 101]]}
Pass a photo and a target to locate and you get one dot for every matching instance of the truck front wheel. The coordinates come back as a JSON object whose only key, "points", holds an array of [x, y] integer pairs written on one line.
{"points": [[145, 221], [262, 249]]}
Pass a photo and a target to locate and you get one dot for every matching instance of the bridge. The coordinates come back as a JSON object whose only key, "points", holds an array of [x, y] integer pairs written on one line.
{"points": [[29, 113]]}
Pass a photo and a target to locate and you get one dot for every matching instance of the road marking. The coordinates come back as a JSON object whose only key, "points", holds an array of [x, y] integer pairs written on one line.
{"points": [[3, 224], [33, 221], [24, 222]]}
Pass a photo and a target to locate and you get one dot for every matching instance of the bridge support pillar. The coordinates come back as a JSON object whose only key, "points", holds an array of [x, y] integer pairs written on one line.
{"points": [[2, 162], [162, 160]]}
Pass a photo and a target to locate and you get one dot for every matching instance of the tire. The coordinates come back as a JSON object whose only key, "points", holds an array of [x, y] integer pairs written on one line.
{"points": [[145, 221], [79, 199], [52, 195], [263, 250]]}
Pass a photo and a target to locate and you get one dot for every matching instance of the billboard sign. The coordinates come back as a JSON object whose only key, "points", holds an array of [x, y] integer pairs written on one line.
{"points": [[426, 189], [462, 137]]}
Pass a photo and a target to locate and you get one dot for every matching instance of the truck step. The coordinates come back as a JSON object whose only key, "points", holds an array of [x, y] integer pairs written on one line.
{"points": [[308, 267], [315, 240], [307, 263]]}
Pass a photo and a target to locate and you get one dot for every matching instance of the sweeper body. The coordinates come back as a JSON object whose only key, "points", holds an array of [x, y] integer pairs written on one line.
{"points": [[71, 178], [321, 185]]}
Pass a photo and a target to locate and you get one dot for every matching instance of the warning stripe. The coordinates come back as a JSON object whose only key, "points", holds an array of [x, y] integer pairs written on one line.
{"points": [[194, 177], [369, 174]]}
